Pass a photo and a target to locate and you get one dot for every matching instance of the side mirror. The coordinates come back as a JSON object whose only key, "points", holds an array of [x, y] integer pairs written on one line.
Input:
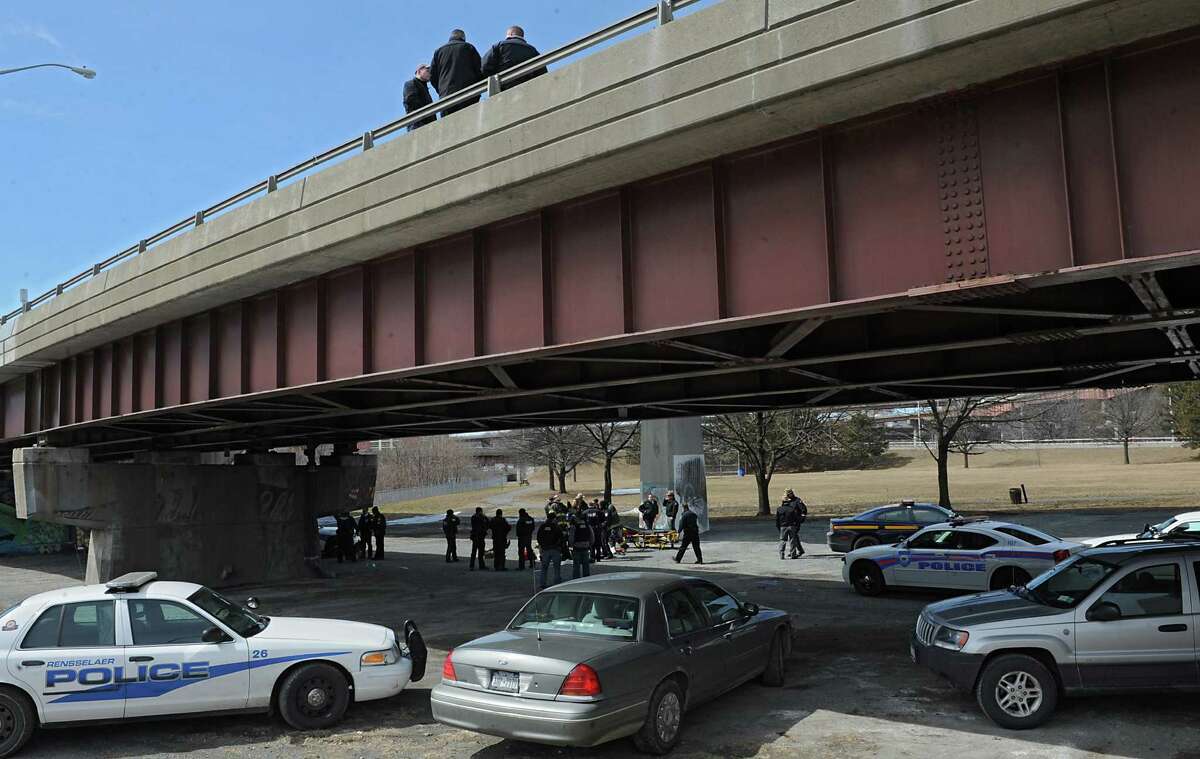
{"points": [[252, 603], [1105, 611], [214, 635], [750, 608]]}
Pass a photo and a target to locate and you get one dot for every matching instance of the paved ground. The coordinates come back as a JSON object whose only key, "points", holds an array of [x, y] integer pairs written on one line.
{"points": [[850, 690]]}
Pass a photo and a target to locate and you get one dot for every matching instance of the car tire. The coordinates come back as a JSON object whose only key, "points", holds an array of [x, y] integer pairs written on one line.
{"points": [[776, 670], [313, 697], [864, 542], [664, 720], [1017, 692], [17, 720], [867, 578], [1005, 577]]}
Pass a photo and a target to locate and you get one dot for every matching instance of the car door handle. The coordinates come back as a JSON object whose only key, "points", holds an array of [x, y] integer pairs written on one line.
{"points": [[33, 663], [687, 650], [141, 658], [1172, 628]]}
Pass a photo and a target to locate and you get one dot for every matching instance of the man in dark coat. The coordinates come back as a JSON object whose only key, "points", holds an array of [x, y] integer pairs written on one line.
{"points": [[455, 66], [550, 540], [595, 517], [479, 531], [581, 540], [364, 534], [788, 517], [416, 95], [378, 530], [525, 525], [670, 508], [450, 530], [345, 537], [510, 53], [499, 527], [649, 511], [689, 526]]}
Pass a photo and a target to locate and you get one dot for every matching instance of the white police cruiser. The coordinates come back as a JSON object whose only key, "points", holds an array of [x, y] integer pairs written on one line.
{"points": [[962, 554], [142, 648]]}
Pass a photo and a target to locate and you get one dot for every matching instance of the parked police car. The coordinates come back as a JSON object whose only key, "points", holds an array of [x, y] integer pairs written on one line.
{"points": [[961, 555], [1119, 618], [138, 648], [1186, 524], [883, 525]]}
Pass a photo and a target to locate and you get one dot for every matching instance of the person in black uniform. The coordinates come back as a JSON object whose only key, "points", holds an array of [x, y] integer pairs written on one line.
{"points": [[379, 530], [613, 527], [550, 540], [509, 53], [455, 66], [595, 517], [479, 531], [525, 525], [450, 530], [790, 515], [499, 527], [581, 540], [345, 537], [649, 511], [689, 526], [416, 95], [670, 507]]}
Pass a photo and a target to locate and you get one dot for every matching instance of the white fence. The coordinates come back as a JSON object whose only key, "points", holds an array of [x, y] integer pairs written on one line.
{"points": [[1137, 442], [428, 491]]}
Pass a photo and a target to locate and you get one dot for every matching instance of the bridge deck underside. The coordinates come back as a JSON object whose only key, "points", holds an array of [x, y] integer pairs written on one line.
{"points": [[1037, 233]]}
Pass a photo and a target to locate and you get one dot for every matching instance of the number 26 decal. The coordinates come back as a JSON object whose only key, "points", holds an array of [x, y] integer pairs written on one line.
{"points": [[258, 654]]}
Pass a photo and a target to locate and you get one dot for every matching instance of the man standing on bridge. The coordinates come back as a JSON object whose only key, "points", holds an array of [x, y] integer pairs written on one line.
{"points": [[416, 96], [455, 66], [510, 53], [479, 530]]}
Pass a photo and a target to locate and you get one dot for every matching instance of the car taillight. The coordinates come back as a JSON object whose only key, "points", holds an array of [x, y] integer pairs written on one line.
{"points": [[583, 681], [448, 672], [1061, 554]]}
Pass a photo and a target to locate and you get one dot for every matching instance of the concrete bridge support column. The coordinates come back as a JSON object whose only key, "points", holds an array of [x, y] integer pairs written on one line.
{"points": [[187, 518], [673, 459]]}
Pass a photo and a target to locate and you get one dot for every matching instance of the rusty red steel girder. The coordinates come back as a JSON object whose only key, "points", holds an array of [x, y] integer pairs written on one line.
{"points": [[1086, 165]]}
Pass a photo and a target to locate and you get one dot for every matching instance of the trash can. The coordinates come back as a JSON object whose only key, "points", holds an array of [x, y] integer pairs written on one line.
{"points": [[1014, 495]]}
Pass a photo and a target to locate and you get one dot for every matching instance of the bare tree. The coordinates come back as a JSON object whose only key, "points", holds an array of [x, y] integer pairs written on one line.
{"points": [[950, 416], [1130, 414], [560, 448], [610, 439], [412, 462], [763, 439]]}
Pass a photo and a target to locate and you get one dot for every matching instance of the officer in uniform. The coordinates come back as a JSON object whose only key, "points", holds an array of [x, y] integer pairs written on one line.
{"points": [[479, 531], [689, 526], [525, 525], [550, 543], [790, 515], [595, 517], [345, 537], [649, 511], [364, 534], [499, 527], [616, 535], [581, 540], [671, 508], [379, 528], [450, 530]]}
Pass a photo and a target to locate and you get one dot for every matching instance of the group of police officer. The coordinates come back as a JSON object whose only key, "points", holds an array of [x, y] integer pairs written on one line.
{"points": [[370, 528], [458, 65]]}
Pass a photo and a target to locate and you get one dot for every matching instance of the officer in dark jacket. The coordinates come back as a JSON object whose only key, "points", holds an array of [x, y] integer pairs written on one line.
{"points": [[455, 66], [689, 526], [450, 530], [595, 517], [525, 525], [379, 530], [671, 508], [479, 531], [512, 52], [345, 537], [499, 527], [616, 535], [788, 517], [416, 95], [364, 534], [550, 541]]}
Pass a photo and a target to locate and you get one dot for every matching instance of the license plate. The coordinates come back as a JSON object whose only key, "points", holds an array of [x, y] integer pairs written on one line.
{"points": [[509, 682]]}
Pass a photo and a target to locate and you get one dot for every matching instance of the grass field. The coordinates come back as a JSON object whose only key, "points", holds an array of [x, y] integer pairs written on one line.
{"points": [[1055, 478]]}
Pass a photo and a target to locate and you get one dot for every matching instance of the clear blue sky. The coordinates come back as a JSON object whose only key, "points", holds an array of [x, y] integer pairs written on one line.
{"points": [[195, 101]]}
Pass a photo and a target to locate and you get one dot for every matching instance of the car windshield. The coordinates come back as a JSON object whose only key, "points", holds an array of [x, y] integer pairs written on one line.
{"points": [[243, 621], [1070, 582], [582, 613]]}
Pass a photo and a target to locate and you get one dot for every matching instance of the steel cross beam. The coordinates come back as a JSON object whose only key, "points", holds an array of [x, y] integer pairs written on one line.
{"points": [[1149, 291]]}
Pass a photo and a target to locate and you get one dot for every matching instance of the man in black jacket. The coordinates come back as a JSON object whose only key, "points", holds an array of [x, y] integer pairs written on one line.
{"points": [[479, 530], [525, 526], [649, 511], [788, 517], [550, 541], [689, 526], [499, 527], [671, 508], [378, 531], [416, 95], [455, 66], [512, 52], [450, 530], [365, 530]]}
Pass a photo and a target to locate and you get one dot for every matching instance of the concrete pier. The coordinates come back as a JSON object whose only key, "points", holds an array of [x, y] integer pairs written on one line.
{"points": [[673, 459]]}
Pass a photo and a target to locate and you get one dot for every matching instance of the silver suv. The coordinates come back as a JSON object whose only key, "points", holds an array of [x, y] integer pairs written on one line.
{"points": [[1117, 618]]}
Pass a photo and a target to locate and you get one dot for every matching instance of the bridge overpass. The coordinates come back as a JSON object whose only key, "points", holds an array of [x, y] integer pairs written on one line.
{"points": [[766, 203]]}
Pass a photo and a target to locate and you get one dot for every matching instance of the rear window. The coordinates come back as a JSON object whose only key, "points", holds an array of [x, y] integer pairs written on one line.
{"points": [[580, 613], [1028, 537]]}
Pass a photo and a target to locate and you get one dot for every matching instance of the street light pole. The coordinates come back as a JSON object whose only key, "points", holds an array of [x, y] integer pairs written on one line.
{"points": [[83, 71]]}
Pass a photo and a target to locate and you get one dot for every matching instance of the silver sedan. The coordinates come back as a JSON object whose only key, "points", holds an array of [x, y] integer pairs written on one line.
{"points": [[610, 656]]}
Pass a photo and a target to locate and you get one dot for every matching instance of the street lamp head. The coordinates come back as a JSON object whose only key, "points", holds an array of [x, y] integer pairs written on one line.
{"points": [[84, 72]]}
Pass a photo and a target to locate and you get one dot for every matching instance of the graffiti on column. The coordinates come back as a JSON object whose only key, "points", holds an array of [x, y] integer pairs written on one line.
{"points": [[690, 487]]}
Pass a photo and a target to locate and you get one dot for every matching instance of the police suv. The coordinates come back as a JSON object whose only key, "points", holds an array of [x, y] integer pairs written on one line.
{"points": [[142, 648], [962, 554], [1119, 618]]}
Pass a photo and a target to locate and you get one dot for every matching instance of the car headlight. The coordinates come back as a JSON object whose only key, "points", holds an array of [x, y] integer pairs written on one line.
{"points": [[380, 658], [948, 637]]}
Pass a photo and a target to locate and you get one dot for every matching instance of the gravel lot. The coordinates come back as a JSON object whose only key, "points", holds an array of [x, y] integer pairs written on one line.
{"points": [[850, 691]]}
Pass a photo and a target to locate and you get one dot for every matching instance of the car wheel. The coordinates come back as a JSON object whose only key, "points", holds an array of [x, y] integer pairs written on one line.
{"points": [[867, 578], [1006, 577], [17, 720], [314, 697], [1017, 692], [864, 541], [776, 669], [664, 721]]}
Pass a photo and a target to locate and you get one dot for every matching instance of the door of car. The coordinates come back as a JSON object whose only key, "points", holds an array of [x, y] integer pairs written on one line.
{"points": [[1139, 631], [70, 658], [746, 645], [919, 561], [701, 646], [970, 565], [178, 670]]}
